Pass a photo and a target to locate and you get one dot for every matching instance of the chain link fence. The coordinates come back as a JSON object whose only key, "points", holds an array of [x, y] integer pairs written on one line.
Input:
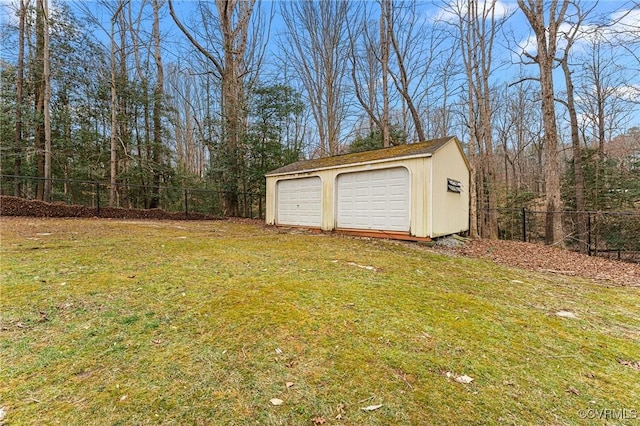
{"points": [[172, 199], [596, 233]]}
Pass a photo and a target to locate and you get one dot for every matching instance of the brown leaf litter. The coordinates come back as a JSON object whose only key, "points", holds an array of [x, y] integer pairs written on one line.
{"points": [[543, 258]]}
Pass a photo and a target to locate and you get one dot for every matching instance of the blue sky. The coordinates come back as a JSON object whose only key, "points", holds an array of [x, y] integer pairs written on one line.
{"points": [[518, 35]]}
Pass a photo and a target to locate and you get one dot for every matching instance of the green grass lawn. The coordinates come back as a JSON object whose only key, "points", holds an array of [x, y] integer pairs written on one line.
{"points": [[122, 323]]}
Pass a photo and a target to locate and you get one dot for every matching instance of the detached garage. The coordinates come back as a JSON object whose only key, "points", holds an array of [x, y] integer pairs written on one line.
{"points": [[415, 191]]}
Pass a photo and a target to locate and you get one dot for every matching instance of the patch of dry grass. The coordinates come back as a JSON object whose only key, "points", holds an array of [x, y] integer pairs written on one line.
{"points": [[128, 322]]}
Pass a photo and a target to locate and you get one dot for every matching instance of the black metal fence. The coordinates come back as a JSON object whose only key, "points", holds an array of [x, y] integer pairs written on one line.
{"points": [[597, 233], [95, 194]]}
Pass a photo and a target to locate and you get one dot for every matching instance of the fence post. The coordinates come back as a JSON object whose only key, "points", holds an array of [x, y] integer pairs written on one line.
{"points": [[524, 224], [186, 202], [589, 234], [98, 198]]}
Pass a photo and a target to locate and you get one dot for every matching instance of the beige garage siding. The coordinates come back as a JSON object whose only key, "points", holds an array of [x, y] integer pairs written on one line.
{"points": [[450, 209]]}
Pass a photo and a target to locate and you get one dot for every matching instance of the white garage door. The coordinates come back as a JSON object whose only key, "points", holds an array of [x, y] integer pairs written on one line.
{"points": [[299, 202], [376, 199]]}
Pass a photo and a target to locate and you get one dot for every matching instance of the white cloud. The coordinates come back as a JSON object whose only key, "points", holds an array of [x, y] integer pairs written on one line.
{"points": [[624, 91], [627, 19], [529, 45], [622, 25], [629, 92], [452, 11], [9, 11]]}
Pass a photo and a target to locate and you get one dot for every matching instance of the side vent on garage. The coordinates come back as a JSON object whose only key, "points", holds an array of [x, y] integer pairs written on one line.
{"points": [[454, 186]]}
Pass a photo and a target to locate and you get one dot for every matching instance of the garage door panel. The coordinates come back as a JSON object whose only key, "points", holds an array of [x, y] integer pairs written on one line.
{"points": [[374, 199], [299, 202]]}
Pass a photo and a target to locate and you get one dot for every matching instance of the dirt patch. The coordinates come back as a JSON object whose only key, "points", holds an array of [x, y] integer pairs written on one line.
{"points": [[542, 258]]}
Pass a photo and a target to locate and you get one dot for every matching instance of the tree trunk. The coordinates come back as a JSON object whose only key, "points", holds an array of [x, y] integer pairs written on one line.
{"points": [[126, 108], [483, 39], [234, 36], [385, 30], [38, 81], [473, 198], [553, 205], [402, 84], [577, 160], [230, 117], [158, 96], [476, 31], [546, 42], [601, 122], [113, 157], [46, 73], [581, 218], [235, 47], [17, 165], [474, 188], [116, 106]]}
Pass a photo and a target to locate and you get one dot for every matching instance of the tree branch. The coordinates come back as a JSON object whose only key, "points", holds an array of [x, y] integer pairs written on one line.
{"points": [[194, 42], [522, 80]]}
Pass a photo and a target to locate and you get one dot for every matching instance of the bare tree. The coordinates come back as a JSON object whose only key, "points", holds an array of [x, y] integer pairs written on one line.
{"points": [[623, 31], [46, 76], [440, 103], [369, 57], [131, 25], [570, 38], [547, 35], [235, 55], [477, 25], [113, 137], [38, 91], [116, 129], [316, 45], [386, 28], [606, 90], [158, 98], [185, 117], [406, 32], [607, 94], [17, 170], [410, 54], [513, 122]]}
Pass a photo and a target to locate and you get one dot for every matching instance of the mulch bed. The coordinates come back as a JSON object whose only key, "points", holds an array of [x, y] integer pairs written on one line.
{"points": [[15, 206]]}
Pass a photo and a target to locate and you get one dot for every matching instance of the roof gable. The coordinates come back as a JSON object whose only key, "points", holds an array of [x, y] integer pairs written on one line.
{"points": [[395, 152]]}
